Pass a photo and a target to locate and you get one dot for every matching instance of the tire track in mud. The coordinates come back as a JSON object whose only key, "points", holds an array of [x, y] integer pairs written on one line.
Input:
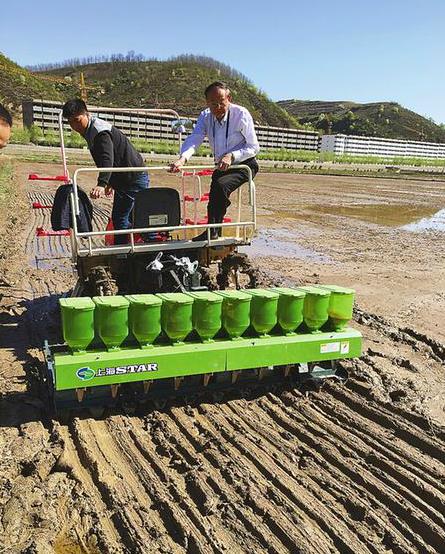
{"points": [[276, 474], [362, 468], [119, 488], [404, 335], [216, 488], [70, 462]]}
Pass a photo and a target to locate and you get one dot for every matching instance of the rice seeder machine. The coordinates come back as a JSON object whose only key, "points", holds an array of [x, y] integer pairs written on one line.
{"points": [[150, 319]]}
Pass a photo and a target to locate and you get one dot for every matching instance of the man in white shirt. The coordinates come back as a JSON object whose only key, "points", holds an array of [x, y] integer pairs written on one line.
{"points": [[233, 141]]}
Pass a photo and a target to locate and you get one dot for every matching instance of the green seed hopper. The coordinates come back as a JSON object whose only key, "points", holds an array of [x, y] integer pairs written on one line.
{"points": [[152, 344]]}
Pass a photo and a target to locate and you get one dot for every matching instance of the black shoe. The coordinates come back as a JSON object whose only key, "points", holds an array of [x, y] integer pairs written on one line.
{"points": [[214, 234]]}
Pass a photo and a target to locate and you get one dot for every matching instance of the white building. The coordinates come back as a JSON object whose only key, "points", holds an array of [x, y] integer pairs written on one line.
{"points": [[375, 146]]}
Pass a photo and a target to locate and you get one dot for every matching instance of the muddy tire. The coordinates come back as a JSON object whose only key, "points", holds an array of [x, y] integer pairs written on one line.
{"points": [[208, 279], [101, 282], [237, 271]]}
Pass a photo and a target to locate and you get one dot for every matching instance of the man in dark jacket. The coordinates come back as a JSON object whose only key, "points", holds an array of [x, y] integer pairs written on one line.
{"points": [[109, 148]]}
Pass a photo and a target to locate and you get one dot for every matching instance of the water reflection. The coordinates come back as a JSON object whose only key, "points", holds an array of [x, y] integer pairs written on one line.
{"points": [[434, 223], [280, 243], [387, 215]]}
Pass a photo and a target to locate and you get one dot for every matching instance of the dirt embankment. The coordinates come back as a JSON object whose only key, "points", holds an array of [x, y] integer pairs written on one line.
{"points": [[352, 468]]}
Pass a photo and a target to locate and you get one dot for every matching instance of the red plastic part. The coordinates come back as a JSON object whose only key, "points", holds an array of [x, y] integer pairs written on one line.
{"points": [[189, 198], [202, 173], [39, 206], [35, 177], [41, 232], [204, 221], [109, 239]]}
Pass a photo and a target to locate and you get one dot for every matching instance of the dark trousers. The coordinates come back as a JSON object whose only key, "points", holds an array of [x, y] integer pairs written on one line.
{"points": [[223, 184], [123, 205]]}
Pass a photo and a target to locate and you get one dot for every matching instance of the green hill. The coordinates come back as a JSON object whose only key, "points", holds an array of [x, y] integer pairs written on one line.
{"points": [[177, 83], [18, 84], [381, 119]]}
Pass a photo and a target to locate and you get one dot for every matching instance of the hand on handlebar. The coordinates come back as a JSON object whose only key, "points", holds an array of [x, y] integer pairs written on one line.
{"points": [[225, 162], [97, 192], [176, 166]]}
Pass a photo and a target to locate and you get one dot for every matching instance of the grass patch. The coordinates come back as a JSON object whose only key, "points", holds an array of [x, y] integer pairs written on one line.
{"points": [[35, 135], [6, 182], [73, 140], [20, 135], [309, 156]]}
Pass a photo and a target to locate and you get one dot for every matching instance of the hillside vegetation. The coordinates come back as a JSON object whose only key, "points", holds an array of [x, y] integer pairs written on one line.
{"points": [[18, 84], [130, 81], [384, 119], [177, 83]]}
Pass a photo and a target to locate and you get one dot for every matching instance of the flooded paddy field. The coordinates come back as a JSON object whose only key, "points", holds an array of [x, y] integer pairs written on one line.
{"points": [[356, 468], [383, 237]]}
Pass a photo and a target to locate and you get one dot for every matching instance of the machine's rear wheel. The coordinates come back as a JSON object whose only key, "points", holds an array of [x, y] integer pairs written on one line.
{"points": [[237, 272], [208, 278], [101, 282]]}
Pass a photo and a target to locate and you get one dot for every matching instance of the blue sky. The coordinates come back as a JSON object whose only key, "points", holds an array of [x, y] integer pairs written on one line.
{"points": [[358, 50]]}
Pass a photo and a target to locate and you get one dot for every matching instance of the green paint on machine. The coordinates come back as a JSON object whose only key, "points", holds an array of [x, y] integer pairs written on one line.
{"points": [[179, 360], [142, 338]]}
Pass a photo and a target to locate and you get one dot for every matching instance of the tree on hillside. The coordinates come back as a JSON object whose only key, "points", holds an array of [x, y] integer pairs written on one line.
{"points": [[325, 123]]}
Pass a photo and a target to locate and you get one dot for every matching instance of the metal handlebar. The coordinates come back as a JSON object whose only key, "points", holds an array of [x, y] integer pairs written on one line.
{"points": [[166, 111], [62, 147], [155, 168]]}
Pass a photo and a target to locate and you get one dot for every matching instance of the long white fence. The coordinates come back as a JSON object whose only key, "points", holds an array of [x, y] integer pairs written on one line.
{"points": [[44, 114], [375, 146], [140, 125]]}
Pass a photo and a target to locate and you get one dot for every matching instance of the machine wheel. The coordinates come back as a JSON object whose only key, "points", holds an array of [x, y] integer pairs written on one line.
{"points": [[208, 279], [79, 289], [237, 271], [101, 282]]}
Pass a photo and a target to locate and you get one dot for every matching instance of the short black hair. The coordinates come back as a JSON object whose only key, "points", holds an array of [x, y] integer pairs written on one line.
{"points": [[5, 115], [74, 107], [215, 84]]}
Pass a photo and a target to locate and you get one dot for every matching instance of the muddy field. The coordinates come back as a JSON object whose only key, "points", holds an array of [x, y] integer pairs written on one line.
{"points": [[356, 467]]}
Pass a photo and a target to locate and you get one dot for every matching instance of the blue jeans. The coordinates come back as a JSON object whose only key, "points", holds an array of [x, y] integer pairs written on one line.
{"points": [[123, 205]]}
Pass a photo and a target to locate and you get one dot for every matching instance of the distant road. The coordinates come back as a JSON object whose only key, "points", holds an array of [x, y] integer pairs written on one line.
{"points": [[32, 149]]}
